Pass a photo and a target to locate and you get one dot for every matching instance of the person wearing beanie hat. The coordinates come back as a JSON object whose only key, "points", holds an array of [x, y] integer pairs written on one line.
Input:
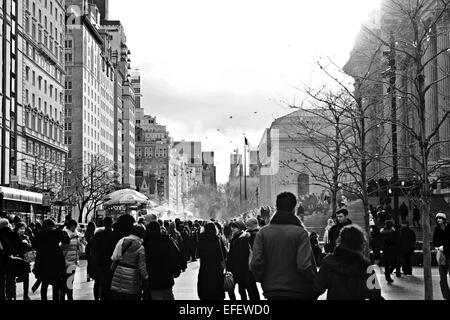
{"points": [[441, 240], [130, 269]]}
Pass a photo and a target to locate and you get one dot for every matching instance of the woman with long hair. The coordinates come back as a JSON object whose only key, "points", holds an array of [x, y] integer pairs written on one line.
{"points": [[88, 235], [346, 273], [212, 254]]}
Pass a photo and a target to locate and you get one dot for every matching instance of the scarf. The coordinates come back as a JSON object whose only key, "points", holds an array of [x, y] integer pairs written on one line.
{"points": [[286, 218]]}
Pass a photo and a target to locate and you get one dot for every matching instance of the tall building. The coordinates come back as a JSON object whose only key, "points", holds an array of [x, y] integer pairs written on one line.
{"points": [[192, 153], [153, 144], [31, 95], [236, 165], [136, 84], [178, 181], [103, 7], [89, 126], [209, 169], [125, 102]]}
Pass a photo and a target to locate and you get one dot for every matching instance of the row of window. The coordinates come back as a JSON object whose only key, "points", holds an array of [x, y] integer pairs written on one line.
{"points": [[43, 126], [48, 4], [41, 175], [42, 106], [148, 152], [51, 69], [44, 153]]}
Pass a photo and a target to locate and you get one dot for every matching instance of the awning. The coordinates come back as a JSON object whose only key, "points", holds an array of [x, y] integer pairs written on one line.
{"points": [[21, 195]]}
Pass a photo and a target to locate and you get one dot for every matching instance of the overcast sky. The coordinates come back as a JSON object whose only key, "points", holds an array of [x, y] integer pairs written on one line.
{"points": [[204, 61]]}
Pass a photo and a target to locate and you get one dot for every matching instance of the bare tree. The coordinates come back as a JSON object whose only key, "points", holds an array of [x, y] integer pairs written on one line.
{"points": [[90, 184], [416, 35]]}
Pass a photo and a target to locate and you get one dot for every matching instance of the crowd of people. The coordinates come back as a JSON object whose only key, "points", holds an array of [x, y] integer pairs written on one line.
{"points": [[139, 260]]}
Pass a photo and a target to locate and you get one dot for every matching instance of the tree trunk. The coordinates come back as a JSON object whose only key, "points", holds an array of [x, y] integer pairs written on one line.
{"points": [[59, 213]]}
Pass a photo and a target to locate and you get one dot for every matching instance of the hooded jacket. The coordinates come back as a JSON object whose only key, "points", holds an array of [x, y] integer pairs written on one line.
{"points": [[282, 258], [71, 251], [389, 239], [131, 269], [442, 238], [345, 274]]}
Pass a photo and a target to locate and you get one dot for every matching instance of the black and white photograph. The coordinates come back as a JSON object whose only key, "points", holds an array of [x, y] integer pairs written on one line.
{"points": [[224, 155]]}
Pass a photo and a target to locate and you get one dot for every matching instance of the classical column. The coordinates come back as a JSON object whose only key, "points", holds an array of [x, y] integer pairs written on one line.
{"points": [[443, 72]]}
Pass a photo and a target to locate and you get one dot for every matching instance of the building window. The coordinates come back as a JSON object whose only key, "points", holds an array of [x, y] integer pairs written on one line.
{"points": [[68, 140]]}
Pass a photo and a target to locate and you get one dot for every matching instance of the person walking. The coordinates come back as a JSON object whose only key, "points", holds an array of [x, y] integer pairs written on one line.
{"points": [[326, 238], [317, 251], [282, 258], [27, 253], [164, 263], [375, 242], [345, 272], [100, 261], [252, 231], [212, 255], [407, 245], [50, 266], [342, 221], [237, 261], [129, 266], [416, 217], [389, 246], [88, 235], [404, 211], [441, 241], [71, 252]]}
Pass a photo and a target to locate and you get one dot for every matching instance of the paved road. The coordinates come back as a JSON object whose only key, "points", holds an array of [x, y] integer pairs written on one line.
{"points": [[405, 288]]}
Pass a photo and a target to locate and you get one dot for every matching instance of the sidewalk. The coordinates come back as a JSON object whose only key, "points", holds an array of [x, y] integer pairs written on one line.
{"points": [[404, 288]]}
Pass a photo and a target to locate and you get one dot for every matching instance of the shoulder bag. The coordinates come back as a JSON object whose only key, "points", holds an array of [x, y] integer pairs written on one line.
{"points": [[228, 281]]}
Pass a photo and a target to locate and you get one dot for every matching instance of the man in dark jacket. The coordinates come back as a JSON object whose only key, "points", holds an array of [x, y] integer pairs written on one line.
{"points": [[282, 256], [389, 246], [407, 244], [252, 231], [163, 263], [441, 240], [101, 262], [416, 217], [403, 212], [342, 221]]}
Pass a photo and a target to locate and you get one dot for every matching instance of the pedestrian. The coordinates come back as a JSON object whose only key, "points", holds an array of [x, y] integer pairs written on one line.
{"points": [[382, 217], [416, 217], [326, 238], [375, 243], [212, 254], [403, 210], [12, 265], [441, 241], [282, 258], [164, 262], [27, 253], [88, 235], [389, 246], [252, 230], [100, 260], [50, 266], [71, 252], [317, 251], [237, 260], [129, 266], [407, 245], [121, 229], [342, 221], [345, 273]]}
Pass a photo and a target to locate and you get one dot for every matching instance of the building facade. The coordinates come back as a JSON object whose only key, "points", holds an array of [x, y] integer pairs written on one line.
{"points": [[153, 144], [209, 169]]}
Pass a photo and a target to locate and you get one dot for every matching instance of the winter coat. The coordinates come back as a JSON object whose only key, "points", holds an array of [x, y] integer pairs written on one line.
{"points": [[416, 214], [407, 241], [100, 265], [50, 265], [237, 260], [333, 234], [442, 238], [282, 258], [12, 246], [71, 250], [403, 210], [163, 260], [211, 274], [345, 275], [389, 245], [252, 237], [130, 269]]}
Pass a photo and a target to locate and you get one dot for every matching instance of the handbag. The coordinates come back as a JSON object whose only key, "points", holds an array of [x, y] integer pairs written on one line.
{"points": [[441, 258], [228, 279]]}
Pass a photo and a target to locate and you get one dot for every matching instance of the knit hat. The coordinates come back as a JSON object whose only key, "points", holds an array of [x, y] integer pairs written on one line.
{"points": [[441, 215], [252, 223], [238, 224], [4, 223]]}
